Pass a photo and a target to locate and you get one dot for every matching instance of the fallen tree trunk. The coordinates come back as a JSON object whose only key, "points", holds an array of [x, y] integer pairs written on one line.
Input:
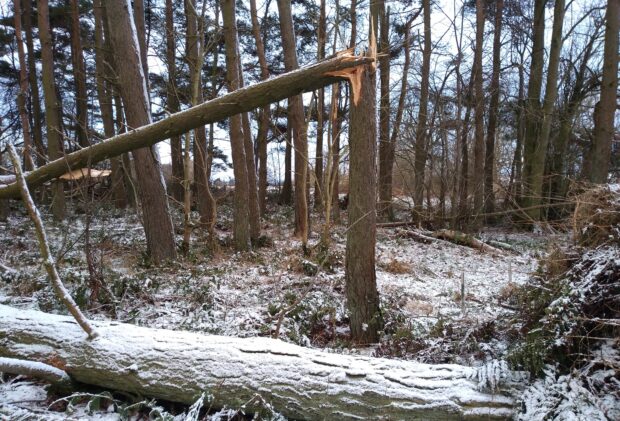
{"points": [[242, 100], [298, 382]]}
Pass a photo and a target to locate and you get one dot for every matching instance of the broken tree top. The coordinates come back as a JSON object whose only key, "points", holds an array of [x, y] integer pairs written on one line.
{"points": [[305, 79]]}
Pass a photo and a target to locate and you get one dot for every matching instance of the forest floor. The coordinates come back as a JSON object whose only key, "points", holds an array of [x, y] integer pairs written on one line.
{"points": [[272, 291]]}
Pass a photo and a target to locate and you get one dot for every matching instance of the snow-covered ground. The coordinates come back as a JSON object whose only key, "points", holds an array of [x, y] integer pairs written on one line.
{"points": [[251, 294]]}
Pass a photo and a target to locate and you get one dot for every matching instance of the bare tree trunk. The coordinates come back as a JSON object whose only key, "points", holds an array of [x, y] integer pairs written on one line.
{"points": [[52, 107], [176, 153], [263, 122], [533, 108], [138, 16], [286, 195], [489, 162], [320, 112], [361, 283], [297, 121], [119, 194], [604, 118], [421, 129], [253, 209], [385, 168], [478, 115], [241, 220], [273, 90], [538, 159], [79, 75], [23, 88], [152, 190], [35, 102]]}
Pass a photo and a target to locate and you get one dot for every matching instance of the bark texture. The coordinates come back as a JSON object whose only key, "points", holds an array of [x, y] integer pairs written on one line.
{"points": [[151, 187], [176, 154], [300, 383], [478, 180], [79, 75]]}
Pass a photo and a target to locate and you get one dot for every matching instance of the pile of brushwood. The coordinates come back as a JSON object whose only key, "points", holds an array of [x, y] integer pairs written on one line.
{"points": [[567, 332]]}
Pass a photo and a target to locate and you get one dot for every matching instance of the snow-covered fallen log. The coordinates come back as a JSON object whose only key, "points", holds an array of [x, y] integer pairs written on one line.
{"points": [[300, 383]]}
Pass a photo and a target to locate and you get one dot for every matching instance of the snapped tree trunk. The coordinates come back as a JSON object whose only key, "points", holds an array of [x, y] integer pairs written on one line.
{"points": [[151, 188], [299, 383], [296, 119], [273, 90]]}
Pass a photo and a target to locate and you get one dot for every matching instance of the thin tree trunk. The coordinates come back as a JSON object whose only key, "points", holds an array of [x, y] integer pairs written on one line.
{"points": [[385, 168], [489, 162], [152, 190], [23, 88], [79, 76], [241, 222], [604, 118], [138, 15], [52, 107], [263, 122], [35, 101], [286, 195], [320, 112], [478, 115], [421, 129], [296, 118], [176, 153]]}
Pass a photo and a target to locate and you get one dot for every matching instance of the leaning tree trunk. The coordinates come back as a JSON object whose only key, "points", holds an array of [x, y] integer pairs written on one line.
{"points": [[273, 90], [300, 383], [156, 215], [52, 107]]}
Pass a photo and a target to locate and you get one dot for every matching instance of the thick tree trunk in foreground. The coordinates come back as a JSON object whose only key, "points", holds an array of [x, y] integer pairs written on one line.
{"points": [[255, 96], [52, 107], [300, 383], [604, 118], [152, 191], [296, 119]]}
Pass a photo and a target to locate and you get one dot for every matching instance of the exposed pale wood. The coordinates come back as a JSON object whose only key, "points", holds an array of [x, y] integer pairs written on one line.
{"points": [[298, 382]]}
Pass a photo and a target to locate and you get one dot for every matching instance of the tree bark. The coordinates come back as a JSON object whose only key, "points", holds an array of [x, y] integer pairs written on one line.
{"points": [[138, 15], [263, 122], [489, 162], [604, 119], [361, 281], [296, 118], [151, 188], [421, 129], [478, 184], [299, 383], [79, 76], [241, 221], [176, 153], [276, 89], [52, 107], [23, 88]]}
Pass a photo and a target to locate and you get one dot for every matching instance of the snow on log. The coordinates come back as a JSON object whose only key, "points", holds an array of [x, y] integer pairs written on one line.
{"points": [[300, 383], [34, 369]]}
